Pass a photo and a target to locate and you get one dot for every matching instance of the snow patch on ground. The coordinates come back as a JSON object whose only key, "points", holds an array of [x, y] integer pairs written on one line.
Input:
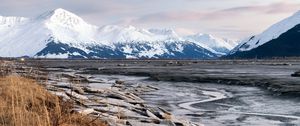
{"points": [[59, 56]]}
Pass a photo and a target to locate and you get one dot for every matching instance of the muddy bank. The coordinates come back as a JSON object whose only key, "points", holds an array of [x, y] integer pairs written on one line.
{"points": [[273, 75], [274, 78], [219, 104]]}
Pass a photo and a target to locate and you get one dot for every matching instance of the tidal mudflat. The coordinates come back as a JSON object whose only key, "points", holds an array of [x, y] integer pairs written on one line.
{"points": [[245, 92]]}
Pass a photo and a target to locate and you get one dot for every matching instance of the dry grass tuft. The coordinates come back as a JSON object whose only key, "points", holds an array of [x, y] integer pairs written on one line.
{"points": [[23, 102]]}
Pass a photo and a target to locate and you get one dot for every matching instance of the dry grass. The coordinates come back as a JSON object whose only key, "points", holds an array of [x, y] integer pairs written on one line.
{"points": [[23, 102]]}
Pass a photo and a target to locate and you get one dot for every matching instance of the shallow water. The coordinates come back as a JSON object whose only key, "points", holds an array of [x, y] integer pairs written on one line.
{"points": [[217, 104]]}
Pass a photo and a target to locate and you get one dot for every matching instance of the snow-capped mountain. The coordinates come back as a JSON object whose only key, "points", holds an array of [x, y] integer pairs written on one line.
{"points": [[213, 44], [112, 34], [280, 40], [62, 34]]}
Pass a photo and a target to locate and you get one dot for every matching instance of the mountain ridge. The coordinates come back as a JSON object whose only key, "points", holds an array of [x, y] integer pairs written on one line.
{"points": [[280, 39], [29, 37]]}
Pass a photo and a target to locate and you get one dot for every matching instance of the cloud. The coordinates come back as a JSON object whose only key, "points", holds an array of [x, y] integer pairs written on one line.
{"points": [[186, 16], [235, 21], [274, 8], [173, 16], [280, 7], [184, 31]]}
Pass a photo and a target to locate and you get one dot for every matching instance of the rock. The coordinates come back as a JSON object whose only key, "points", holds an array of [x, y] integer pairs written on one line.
{"points": [[164, 111], [158, 114], [76, 95], [119, 86], [78, 90], [90, 69], [60, 94], [152, 121], [168, 123], [70, 76], [296, 74], [122, 122], [94, 81], [174, 63], [122, 65], [134, 97], [81, 78], [93, 90], [107, 110], [62, 85], [142, 89], [151, 115], [141, 112], [119, 82], [86, 111], [171, 62], [117, 102], [111, 120], [73, 77], [143, 123], [129, 97], [122, 97]]}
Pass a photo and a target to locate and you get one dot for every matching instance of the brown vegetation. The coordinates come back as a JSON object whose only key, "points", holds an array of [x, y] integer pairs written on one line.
{"points": [[23, 102]]}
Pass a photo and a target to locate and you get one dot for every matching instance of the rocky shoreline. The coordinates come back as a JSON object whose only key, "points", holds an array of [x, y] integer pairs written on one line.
{"points": [[117, 103]]}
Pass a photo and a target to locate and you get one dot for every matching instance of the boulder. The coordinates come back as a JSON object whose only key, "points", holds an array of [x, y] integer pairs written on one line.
{"points": [[296, 74], [78, 90], [119, 82], [123, 65], [151, 115]]}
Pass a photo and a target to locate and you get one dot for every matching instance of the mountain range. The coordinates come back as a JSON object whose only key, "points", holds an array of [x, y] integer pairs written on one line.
{"points": [[62, 34]]}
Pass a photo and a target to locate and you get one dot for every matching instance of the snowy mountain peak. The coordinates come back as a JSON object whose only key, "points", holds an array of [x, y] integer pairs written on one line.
{"points": [[66, 17], [60, 13], [168, 34], [211, 41], [271, 33], [130, 27], [124, 34], [163, 31], [62, 33], [279, 40], [214, 44], [110, 34], [297, 13], [63, 18]]}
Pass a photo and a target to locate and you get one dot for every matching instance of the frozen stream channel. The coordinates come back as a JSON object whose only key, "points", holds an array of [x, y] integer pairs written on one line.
{"points": [[217, 104]]}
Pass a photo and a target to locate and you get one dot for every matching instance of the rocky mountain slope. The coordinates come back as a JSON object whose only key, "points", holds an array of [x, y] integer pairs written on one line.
{"points": [[280, 40]]}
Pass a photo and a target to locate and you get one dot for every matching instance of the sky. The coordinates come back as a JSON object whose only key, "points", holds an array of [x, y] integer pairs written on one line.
{"points": [[233, 19]]}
